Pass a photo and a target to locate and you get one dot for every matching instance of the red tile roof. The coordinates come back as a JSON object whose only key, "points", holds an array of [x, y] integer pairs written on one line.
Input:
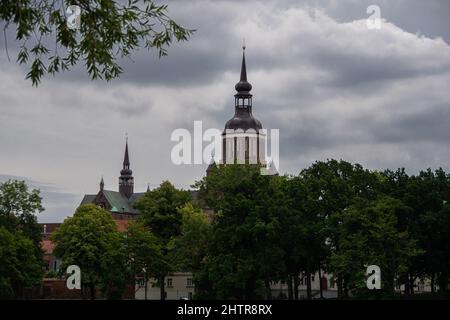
{"points": [[48, 246]]}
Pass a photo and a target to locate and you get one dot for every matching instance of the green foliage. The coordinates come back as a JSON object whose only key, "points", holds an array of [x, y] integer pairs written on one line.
{"points": [[145, 252], [159, 210], [160, 213], [368, 235], [109, 30], [189, 248], [21, 253], [20, 267], [243, 254], [90, 240], [334, 216]]}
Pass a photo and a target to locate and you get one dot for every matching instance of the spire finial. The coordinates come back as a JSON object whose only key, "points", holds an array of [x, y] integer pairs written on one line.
{"points": [[243, 44], [102, 184]]}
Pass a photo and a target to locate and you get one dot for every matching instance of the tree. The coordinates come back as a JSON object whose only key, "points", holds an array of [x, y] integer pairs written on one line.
{"points": [[244, 253], [160, 213], [90, 240], [190, 247], [108, 30], [368, 235], [20, 267], [333, 186], [145, 253], [18, 209], [304, 235], [426, 195]]}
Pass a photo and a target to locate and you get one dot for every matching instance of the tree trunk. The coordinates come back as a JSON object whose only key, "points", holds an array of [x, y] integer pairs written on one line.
{"points": [[145, 292], [296, 286], [162, 289], [345, 288], [340, 287], [320, 283], [308, 283], [407, 291], [289, 283], [443, 282], [92, 289], [268, 289], [432, 283]]}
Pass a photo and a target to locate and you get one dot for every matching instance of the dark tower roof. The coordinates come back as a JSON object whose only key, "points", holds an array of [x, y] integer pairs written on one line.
{"points": [[126, 158], [126, 180], [102, 184], [243, 117], [126, 162], [243, 86]]}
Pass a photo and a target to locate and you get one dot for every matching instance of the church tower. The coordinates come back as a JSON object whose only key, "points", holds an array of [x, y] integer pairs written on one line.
{"points": [[126, 180], [243, 141]]}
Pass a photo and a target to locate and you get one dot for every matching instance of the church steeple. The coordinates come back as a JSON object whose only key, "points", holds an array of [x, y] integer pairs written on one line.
{"points": [[126, 180], [243, 97], [126, 158], [243, 138], [102, 184]]}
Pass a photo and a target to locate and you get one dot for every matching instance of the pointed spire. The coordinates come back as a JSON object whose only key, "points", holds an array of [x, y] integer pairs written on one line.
{"points": [[212, 165], [126, 159], [243, 86], [148, 187], [243, 66], [102, 184], [126, 180]]}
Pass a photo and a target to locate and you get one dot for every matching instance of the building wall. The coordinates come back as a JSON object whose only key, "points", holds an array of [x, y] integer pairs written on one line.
{"points": [[177, 286], [329, 289], [243, 146]]}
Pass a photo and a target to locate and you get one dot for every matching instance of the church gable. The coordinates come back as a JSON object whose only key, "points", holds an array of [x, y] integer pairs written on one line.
{"points": [[101, 201]]}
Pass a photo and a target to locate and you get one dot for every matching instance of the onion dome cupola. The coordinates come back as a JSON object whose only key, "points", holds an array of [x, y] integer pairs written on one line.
{"points": [[243, 117]]}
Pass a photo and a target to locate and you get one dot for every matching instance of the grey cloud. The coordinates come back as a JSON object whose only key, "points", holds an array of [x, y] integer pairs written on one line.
{"points": [[322, 83]]}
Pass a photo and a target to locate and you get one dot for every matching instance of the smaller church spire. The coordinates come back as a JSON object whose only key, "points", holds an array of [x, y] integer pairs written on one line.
{"points": [[126, 159], [212, 165], [126, 180], [102, 184], [148, 187]]}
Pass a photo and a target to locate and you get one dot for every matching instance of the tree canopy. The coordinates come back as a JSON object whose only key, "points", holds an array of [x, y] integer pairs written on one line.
{"points": [[90, 240], [109, 31], [20, 244]]}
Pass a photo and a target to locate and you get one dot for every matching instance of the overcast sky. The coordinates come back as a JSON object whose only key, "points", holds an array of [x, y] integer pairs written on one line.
{"points": [[333, 87]]}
